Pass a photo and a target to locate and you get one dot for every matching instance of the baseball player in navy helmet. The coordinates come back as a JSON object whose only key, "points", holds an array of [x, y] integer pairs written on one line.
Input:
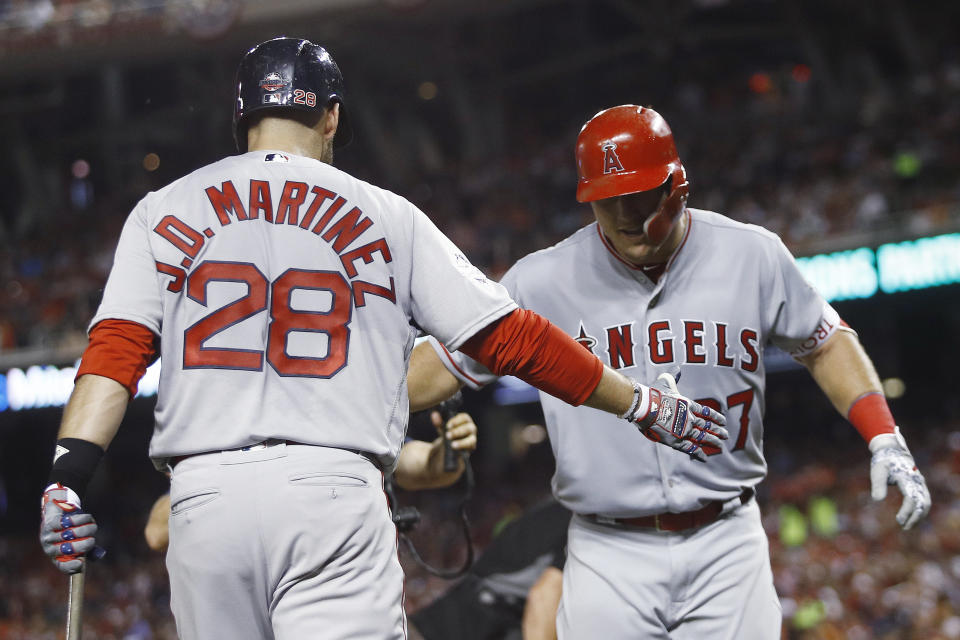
{"points": [[284, 297], [660, 547]]}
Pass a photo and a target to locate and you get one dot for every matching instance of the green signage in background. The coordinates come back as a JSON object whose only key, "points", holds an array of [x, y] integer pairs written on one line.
{"points": [[918, 264], [900, 266], [843, 275]]}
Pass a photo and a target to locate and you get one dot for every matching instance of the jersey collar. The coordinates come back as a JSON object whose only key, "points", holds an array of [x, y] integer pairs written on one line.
{"points": [[670, 260]]}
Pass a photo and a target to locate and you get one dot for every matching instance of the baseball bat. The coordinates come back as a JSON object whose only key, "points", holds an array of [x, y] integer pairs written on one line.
{"points": [[75, 605]]}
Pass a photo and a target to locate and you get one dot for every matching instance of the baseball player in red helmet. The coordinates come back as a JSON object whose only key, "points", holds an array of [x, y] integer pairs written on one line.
{"points": [[284, 297], [659, 547]]}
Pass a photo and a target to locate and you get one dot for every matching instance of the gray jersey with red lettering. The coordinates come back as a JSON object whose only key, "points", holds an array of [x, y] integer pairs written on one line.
{"points": [[288, 295], [728, 290]]}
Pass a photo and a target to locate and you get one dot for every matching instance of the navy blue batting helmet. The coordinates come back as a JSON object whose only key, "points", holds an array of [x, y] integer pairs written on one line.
{"points": [[288, 73]]}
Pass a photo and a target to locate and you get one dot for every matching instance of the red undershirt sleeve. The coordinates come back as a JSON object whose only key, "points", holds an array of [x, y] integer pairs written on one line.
{"points": [[120, 350], [871, 415], [528, 346]]}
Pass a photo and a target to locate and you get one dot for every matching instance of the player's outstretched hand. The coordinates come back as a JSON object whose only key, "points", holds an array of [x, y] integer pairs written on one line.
{"points": [[893, 464], [66, 532], [678, 422]]}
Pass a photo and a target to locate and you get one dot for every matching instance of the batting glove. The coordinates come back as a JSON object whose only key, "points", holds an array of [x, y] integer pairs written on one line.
{"points": [[665, 416], [892, 464], [66, 532]]}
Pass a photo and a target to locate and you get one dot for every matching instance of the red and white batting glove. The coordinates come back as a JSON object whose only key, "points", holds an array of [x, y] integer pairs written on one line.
{"points": [[66, 532], [892, 463], [665, 416]]}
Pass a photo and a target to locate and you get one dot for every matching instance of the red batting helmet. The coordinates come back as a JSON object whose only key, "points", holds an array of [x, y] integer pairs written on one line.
{"points": [[628, 149]]}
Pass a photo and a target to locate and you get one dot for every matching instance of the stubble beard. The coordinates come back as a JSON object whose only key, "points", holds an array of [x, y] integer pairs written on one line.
{"points": [[326, 154]]}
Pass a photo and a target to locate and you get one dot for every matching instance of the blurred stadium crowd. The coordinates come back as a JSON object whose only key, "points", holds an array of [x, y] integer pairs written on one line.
{"points": [[885, 159], [66, 23]]}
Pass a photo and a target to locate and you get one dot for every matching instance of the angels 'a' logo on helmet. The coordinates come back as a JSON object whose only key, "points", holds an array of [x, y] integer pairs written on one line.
{"points": [[272, 82], [611, 161]]}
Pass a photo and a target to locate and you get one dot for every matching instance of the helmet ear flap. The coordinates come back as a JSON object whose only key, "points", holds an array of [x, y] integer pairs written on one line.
{"points": [[657, 228], [679, 183]]}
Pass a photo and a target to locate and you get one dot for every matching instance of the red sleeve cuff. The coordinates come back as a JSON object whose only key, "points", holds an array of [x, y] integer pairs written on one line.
{"points": [[871, 416], [120, 350], [528, 346]]}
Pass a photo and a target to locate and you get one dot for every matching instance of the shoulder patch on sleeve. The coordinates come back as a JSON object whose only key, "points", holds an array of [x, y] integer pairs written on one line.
{"points": [[467, 267], [829, 324]]}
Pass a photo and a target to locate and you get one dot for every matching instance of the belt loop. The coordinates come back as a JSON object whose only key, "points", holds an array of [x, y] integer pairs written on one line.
{"points": [[733, 504], [656, 522]]}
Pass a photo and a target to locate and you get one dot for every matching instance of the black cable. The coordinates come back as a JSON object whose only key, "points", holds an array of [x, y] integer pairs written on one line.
{"points": [[450, 574], [407, 518]]}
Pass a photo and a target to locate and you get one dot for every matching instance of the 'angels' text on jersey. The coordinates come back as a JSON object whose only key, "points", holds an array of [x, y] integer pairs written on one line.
{"points": [[697, 342], [728, 291]]}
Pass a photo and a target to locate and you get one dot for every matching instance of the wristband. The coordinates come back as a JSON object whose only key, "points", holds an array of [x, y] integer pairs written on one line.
{"points": [[74, 462], [641, 398], [72, 497], [871, 416]]}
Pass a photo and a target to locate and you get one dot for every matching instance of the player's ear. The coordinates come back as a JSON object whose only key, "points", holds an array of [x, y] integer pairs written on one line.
{"points": [[331, 120]]}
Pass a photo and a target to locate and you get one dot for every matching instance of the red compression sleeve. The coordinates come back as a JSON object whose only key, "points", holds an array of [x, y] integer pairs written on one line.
{"points": [[528, 346], [120, 350], [871, 416]]}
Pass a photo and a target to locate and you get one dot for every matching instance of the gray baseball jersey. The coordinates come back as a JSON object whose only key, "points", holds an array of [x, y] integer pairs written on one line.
{"points": [[729, 289], [288, 295]]}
